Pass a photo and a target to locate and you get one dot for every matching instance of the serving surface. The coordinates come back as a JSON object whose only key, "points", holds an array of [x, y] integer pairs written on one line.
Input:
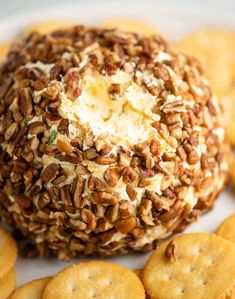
{"points": [[207, 222]]}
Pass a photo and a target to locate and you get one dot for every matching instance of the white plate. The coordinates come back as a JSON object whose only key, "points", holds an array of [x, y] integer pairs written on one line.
{"points": [[174, 21]]}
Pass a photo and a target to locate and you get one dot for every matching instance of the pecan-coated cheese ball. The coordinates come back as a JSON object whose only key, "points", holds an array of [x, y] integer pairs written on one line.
{"points": [[109, 141]]}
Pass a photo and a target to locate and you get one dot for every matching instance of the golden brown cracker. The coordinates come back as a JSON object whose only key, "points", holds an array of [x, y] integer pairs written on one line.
{"points": [[228, 105], [7, 284], [130, 25], [94, 279], [227, 228], [138, 272], [215, 49], [45, 27], [4, 48], [197, 265], [31, 290], [8, 250]]}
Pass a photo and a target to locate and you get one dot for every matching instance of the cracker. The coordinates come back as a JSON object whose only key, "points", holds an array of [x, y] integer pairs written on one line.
{"points": [[48, 26], [31, 290], [94, 279], [131, 25], [232, 171], [7, 284], [4, 48], [227, 229], [8, 251], [215, 48], [228, 105], [203, 267], [138, 272]]}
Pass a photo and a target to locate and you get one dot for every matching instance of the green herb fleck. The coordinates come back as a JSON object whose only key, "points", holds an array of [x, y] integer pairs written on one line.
{"points": [[26, 121], [53, 136]]}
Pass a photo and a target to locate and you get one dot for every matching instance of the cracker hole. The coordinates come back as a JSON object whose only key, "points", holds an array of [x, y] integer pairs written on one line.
{"points": [[191, 269], [182, 291], [87, 275], [169, 277], [203, 282], [197, 250], [210, 262], [108, 282]]}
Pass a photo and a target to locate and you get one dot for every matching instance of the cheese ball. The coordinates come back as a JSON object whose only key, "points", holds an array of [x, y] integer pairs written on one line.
{"points": [[109, 142]]}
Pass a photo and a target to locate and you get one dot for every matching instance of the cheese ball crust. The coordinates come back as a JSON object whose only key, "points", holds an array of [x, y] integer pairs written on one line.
{"points": [[109, 141]]}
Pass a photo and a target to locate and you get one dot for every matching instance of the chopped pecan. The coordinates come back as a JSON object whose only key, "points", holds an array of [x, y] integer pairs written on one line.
{"points": [[172, 213], [176, 131], [105, 160], [194, 138], [72, 88], [95, 184], [131, 192], [111, 213], [211, 108], [76, 245], [104, 198], [155, 147], [25, 101], [170, 252], [7, 119], [105, 149], [145, 206], [181, 153], [52, 92], [129, 175], [90, 154], [41, 83], [204, 161], [50, 172], [63, 145], [78, 187], [112, 176], [77, 224], [65, 195], [206, 183], [23, 200], [61, 179], [55, 72], [43, 200], [126, 209], [114, 90], [161, 72], [193, 157], [52, 118], [11, 131], [138, 232], [33, 143], [36, 127], [19, 166], [89, 218], [161, 128], [35, 188], [126, 225]]}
